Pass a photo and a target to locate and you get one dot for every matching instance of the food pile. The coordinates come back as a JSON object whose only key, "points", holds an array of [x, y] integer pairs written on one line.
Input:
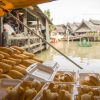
{"points": [[88, 93], [27, 90], [87, 85], [64, 77], [14, 62], [65, 85], [89, 88], [90, 80], [57, 92]]}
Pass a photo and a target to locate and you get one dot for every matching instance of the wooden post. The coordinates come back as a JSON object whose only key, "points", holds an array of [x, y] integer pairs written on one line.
{"points": [[25, 29], [47, 34], [25, 21], [37, 21], [1, 30], [40, 33]]}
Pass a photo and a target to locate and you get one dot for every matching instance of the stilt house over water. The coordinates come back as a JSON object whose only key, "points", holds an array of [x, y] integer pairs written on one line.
{"points": [[91, 26], [36, 20]]}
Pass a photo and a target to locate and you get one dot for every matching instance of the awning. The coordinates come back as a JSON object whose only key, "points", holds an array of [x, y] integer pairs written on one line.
{"points": [[13, 4]]}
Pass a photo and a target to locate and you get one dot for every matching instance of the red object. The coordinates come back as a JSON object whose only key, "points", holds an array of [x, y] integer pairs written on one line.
{"points": [[53, 40]]}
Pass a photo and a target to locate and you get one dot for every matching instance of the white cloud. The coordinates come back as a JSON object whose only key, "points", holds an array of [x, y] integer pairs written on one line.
{"points": [[64, 11]]}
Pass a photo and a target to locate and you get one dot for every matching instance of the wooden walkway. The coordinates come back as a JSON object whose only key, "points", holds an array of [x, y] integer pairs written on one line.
{"points": [[77, 37]]}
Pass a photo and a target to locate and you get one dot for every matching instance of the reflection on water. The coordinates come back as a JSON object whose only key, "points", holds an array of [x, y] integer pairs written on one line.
{"points": [[72, 49]]}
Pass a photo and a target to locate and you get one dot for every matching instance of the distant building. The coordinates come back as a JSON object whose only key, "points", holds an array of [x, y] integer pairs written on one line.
{"points": [[71, 28], [61, 29], [58, 33], [91, 26], [95, 22], [36, 20]]}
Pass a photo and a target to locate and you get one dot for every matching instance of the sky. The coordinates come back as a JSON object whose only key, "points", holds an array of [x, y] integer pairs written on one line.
{"points": [[63, 11]]}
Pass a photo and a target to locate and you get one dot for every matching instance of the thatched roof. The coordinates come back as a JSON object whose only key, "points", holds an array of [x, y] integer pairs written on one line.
{"points": [[72, 26], [95, 22], [61, 28], [87, 26], [77, 24], [38, 12]]}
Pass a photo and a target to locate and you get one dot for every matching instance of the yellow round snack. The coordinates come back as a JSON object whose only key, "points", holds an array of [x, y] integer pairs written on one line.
{"points": [[27, 63], [30, 55], [85, 82], [24, 56], [1, 71], [15, 74], [5, 76], [68, 77], [10, 62], [94, 80], [18, 61], [64, 95], [18, 48], [96, 92], [83, 89], [6, 50], [16, 56], [30, 94], [37, 59], [15, 51], [37, 85], [6, 55], [12, 95], [2, 56], [86, 97], [22, 66], [25, 84], [19, 69], [5, 67]]}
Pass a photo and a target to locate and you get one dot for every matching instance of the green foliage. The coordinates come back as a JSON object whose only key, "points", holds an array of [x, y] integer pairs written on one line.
{"points": [[48, 14]]}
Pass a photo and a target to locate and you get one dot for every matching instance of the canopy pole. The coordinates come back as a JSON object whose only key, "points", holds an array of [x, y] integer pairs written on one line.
{"points": [[43, 39]]}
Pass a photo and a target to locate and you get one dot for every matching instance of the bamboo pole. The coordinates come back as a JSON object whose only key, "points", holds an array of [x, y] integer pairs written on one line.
{"points": [[43, 39]]}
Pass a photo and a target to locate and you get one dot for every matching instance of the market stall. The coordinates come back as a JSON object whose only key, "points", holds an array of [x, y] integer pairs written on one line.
{"points": [[28, 78]]}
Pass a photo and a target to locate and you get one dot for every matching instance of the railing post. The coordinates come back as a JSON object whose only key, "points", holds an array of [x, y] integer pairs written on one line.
{"points": [[1, 30], [47, 34]]}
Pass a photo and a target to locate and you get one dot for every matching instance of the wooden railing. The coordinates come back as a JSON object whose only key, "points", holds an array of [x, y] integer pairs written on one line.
{"points": [[94, 35], [31, 43]]}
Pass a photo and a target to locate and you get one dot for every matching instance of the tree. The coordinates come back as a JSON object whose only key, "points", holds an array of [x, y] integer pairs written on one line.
{"points": [[48, 14]]}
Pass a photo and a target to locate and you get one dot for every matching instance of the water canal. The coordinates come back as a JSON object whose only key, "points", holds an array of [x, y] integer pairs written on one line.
{"points": [[73, 50]]}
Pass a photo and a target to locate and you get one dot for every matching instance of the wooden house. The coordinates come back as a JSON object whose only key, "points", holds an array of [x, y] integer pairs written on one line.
{"points": [[61, 31], [91, 26], [36, 20], [71, 28]]}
